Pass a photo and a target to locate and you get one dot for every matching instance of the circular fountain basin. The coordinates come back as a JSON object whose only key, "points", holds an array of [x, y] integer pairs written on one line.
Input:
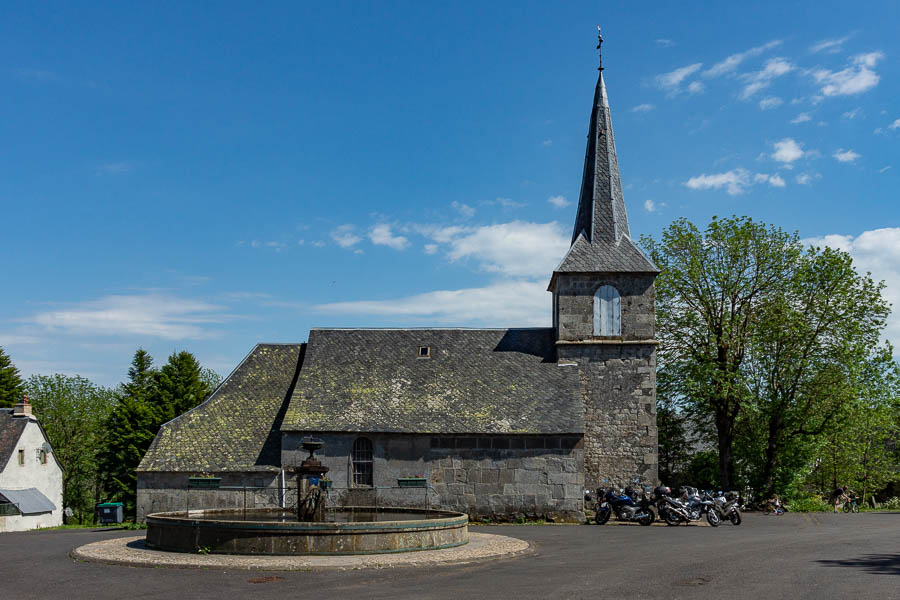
{"points": [[349, 530]]}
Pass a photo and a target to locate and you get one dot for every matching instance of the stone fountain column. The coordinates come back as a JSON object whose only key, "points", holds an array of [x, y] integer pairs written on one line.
{"points": [[310, 495]]}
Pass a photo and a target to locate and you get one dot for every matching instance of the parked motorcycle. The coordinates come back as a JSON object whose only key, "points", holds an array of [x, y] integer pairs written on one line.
{"points": [[624, 506], [689, 507], [727, 507]]}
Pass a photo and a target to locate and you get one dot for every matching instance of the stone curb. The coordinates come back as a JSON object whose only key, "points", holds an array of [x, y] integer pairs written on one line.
{"points": [[130, 552]]}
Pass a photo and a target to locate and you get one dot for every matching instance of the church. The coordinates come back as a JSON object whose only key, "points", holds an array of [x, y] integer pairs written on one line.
{"points": [[499, 423]]}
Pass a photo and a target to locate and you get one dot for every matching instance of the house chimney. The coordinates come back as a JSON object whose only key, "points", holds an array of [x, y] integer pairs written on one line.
{"points": [[23, 408]]}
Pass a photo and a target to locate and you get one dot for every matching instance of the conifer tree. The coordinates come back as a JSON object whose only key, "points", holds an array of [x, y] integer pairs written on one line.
{"points": [[11, 385], [179, 387]]}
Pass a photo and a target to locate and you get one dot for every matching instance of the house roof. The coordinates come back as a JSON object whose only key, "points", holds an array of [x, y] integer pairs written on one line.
{"points": [[10, 431], [474, 381], [236, 429], [29, 501]]}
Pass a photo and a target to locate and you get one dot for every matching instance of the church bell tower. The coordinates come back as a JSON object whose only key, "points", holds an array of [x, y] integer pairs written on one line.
{"points": [[603, 317]]}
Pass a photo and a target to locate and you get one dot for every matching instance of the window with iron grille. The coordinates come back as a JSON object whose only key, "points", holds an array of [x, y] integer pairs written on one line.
{"points": [[362, 461]]}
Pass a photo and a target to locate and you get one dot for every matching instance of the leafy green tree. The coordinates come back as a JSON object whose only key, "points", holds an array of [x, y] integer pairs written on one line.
{"points": [[709, 295], [11, 385], [130, 428], [809, 351], [72, 411], [179, 387]]}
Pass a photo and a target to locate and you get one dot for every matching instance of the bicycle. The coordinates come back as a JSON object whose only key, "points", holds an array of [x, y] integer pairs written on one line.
{"points": [[851, 505]]}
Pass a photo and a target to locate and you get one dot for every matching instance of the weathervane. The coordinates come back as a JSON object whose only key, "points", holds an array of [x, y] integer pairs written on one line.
{"points": [[599, 43]]}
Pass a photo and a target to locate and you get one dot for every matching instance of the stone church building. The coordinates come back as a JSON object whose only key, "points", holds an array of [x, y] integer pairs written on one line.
{"points": [[502, 423]]}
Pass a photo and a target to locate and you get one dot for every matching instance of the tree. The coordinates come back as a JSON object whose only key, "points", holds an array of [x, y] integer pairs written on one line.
{"points": [[130, 429], [810, 352], [72, 411], [178, 387], [147, 400], [709, 294], [11, 384]]}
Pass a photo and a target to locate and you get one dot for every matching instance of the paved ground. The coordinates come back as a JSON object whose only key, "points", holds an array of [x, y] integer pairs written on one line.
{"points": [[792, 556]]}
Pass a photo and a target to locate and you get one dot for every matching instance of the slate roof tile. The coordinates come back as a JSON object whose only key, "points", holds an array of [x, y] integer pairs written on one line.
{"points": [[236, 429], [475, 381]]}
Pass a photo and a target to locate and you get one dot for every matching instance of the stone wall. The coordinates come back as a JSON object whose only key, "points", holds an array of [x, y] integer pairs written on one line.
{"points": [[575, 304], [618, 376], [499, 477], [168, 491], [619, 391]]}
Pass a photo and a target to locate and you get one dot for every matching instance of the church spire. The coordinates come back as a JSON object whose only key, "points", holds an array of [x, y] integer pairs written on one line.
{"points": [[601, 239], [601, 212]]}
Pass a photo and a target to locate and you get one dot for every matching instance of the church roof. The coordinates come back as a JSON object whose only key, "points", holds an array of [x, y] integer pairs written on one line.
{"points": [[601, 239], [473, 381], [236, 429]]}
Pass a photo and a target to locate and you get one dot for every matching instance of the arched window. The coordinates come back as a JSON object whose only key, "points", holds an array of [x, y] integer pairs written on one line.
{"points": [[607, 311], [361, 459]]}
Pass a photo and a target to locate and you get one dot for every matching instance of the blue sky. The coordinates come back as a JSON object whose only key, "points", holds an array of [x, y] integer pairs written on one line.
{"points": [[205, 176]]}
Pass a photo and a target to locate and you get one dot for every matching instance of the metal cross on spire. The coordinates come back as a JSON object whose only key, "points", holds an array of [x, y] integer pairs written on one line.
{"points": [[599, 43]]}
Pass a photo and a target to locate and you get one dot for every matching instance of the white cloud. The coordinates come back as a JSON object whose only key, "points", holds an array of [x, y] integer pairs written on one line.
{"points": [[664, 43], [787, 151], [515, 249], [852, 114], [759, 80], [114, 168], [156, 315], [653, 206], [806, 178], [463, 209], [503, 304], [381, 235], [855, 79], [734, 181], [547, 143], [695, 87], [772, 180], [801, 118], [505, 203], [671, 81], [878, 252], [770, 102], [776, 181], [643, 108], [345, 237], [431, 248], [884, 169], [895, 124], [831, 46], [558, 201], [845, 155], [732, 62]]}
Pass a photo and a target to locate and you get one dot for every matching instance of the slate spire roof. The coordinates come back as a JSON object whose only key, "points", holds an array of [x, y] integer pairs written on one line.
{"points": [[601, 239]]}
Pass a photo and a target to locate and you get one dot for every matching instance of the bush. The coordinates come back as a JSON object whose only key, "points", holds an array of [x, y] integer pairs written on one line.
{"points": [[808, 504], [891, 503]]}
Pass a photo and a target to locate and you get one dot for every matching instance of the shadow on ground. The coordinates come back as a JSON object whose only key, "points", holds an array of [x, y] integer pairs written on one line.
{"points": [[881, 564]]}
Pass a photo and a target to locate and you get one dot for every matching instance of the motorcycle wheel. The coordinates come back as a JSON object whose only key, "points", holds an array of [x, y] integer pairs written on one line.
{"points": [[648, 520], [671, 518], [712, 517], [735, 518], [603, 515]]}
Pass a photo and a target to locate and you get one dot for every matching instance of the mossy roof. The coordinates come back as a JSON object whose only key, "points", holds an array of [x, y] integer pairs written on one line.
{"points": [[473, 381], [236, 429]]}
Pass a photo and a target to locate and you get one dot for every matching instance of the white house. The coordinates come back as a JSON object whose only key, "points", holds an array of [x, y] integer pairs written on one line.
{"points": [[30, 476]]}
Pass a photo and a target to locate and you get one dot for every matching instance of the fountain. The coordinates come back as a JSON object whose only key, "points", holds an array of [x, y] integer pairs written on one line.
{"points": [[311, 530]]}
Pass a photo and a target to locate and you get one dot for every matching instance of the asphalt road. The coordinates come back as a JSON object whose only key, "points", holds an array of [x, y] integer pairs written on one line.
{"points": [[792, 556]]}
